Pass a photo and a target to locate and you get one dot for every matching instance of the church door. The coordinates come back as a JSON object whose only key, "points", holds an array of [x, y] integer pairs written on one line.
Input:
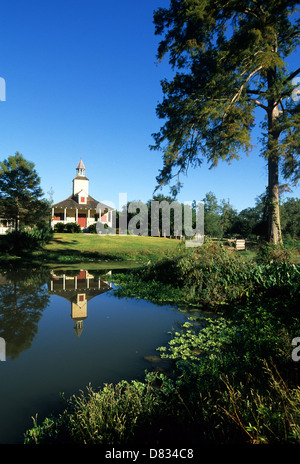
{"points": [[82, 220]]}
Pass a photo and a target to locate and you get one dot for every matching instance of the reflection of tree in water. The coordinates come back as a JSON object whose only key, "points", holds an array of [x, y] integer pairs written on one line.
{"points": [[23, 298]]}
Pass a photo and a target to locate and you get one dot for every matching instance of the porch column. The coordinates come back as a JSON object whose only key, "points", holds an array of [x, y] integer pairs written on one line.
{"points": [[76, 216], [65, 215], [88, 217]]}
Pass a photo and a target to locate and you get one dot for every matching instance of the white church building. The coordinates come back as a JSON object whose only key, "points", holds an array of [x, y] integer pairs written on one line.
{"points": [[80, 207]]}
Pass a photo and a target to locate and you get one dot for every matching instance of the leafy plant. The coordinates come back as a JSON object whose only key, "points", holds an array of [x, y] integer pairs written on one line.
{"points": [[211, 276], [109, 415], [70, 227], [22, 240], [271, 253], [269, 417]]}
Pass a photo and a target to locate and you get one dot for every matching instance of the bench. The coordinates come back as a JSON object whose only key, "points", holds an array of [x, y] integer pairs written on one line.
{"points": [[240, 245]]}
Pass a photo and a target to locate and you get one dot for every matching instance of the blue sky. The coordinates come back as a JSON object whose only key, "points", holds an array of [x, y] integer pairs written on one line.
{"points": [[82, 82]]}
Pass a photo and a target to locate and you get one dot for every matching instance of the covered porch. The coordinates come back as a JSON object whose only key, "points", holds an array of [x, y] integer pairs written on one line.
{"points": [[83, 217]]}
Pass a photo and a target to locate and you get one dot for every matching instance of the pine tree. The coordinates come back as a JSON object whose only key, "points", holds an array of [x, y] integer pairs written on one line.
{"points": [[20, 192]]}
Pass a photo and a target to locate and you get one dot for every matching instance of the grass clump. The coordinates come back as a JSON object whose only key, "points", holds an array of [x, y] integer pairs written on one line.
{"points": [[111, 415], [210, 276]]}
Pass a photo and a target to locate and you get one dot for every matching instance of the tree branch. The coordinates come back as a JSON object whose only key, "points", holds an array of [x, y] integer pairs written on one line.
{"points": [[254, 92], [258, 103], [295, 34], [292, 75], [239, 92], [289, 78]]}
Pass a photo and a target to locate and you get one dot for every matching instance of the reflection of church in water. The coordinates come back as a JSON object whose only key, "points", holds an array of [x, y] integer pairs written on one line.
{"points": [[78, 290]]}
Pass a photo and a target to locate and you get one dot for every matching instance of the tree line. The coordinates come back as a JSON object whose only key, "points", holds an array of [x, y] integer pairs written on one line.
{"points": [[21, 198], [221, 219]]}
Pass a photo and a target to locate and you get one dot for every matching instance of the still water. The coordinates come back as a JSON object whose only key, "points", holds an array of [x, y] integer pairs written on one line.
{"points": [[61, 331]]}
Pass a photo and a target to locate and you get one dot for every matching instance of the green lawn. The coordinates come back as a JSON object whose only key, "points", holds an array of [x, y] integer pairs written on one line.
{"points": [[65, 248], [97, 250]]}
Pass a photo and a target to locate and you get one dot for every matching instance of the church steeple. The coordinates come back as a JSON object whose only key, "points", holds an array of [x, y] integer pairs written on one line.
{"points": [[80, 169], [80, 184]]}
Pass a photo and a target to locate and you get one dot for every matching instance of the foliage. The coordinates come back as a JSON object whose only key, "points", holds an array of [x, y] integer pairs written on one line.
{"points": [[271, 417], [211, 275], [212, 216], [20, 192], [290, 217], [211, 337], [220, 387], [230, 356], [69, 228], [269, 252], [229, 59], [109, 415], [149, 219], [221, 219], [92, 229], [25, 239]]}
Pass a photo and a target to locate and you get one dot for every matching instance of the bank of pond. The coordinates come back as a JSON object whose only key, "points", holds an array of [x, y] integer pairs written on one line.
{"points": [[200, 347]]}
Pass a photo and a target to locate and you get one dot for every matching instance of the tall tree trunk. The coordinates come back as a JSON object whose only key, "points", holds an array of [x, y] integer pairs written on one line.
{"points": [[17, 219], [274, 228]]}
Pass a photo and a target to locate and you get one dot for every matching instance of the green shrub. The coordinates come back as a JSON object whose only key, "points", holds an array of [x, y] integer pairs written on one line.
{"points": [[73, 227], [70, 227], [212, 275], [271, 253], [110, 415], [59, 227], [19, 241], [268, 417], [92, 229]]}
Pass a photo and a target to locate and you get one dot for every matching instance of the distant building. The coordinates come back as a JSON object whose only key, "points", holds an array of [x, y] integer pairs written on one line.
{"points": [[6, 225], [80, 207]]}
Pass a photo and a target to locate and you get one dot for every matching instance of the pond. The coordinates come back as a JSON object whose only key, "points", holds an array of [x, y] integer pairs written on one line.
{"points": [[64, 330]]}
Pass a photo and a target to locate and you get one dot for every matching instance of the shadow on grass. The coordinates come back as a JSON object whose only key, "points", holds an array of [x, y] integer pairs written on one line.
{"points": [[67, 256], [60, 241], [44, 257]]}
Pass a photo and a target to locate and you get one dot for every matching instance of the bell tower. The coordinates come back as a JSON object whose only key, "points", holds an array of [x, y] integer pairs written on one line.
{"points": [[80, 184]]}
